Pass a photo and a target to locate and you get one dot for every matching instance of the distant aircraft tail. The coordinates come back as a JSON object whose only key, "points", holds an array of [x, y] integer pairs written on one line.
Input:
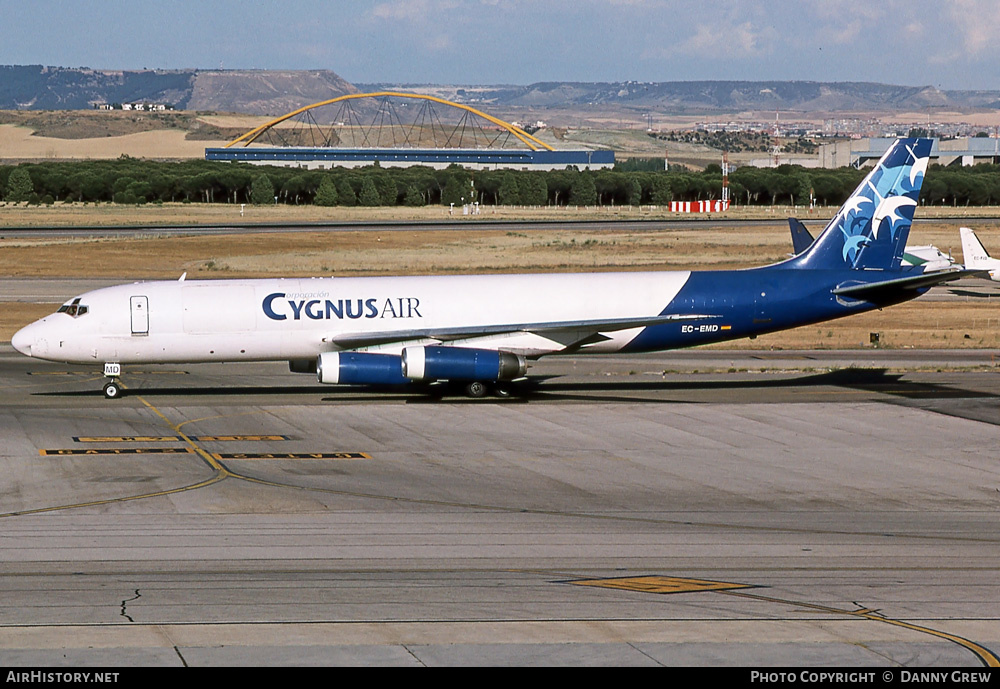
{"points": [[870, 230], [975, 255]]}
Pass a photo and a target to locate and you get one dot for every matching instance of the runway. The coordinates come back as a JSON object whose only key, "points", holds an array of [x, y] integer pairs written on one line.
{"points": [[837, 509], [457, 223]]}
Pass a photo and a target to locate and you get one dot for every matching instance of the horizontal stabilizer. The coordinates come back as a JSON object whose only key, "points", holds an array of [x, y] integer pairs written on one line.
{"points": [[355, 340], [802, 238], [871, 291]]}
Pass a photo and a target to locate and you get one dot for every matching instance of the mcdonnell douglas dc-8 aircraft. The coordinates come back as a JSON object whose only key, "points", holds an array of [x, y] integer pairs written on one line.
{"points": [[480, 330]]}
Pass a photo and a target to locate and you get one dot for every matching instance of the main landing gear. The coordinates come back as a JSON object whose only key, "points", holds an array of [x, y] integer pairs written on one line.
{"points": [[478, 389], [113, 389]]}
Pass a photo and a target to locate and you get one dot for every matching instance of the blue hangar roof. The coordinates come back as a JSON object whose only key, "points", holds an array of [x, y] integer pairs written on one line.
{"points": [[355, 157]]}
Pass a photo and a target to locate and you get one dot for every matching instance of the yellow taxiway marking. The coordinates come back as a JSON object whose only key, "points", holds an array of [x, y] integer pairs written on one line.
{"points": [[667, 585], [77, 451], [987, 657], [112, 501], [657, 584], [222, 471], [126, 438], [290, 455]]}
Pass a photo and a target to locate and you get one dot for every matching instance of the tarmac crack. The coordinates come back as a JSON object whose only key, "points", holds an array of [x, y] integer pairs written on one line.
{"points": [[181, 656], [125, 603], [643, 653], [413, 655]]}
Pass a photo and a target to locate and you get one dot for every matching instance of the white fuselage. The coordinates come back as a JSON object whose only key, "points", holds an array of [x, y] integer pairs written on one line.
{"points": [[928, 256], [975, 255], [286, 319]]}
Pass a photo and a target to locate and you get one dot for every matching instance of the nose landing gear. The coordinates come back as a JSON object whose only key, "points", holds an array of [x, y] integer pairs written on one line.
{"points": [[113, 389]]}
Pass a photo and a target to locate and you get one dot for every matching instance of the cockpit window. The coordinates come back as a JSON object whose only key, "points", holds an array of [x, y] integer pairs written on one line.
{"points": [[74, 308]]}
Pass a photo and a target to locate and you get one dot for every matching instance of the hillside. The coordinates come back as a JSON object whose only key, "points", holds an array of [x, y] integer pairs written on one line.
{"points": [[706, 97], [35, 87], [275, 92]]}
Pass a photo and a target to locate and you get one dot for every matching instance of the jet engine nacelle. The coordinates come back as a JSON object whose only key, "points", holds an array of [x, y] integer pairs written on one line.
{"points": [[360, 368], [459, 363]]}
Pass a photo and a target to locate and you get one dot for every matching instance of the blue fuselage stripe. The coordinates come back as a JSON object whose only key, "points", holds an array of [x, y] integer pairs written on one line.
{"points": [[746, 303]]}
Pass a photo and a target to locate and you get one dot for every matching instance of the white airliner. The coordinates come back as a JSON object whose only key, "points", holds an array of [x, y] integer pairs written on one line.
{"points": [[975, 255], [481, 330]]}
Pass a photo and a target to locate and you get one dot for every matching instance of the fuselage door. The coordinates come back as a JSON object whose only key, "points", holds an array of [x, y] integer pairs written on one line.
{"points": [[140, 315]]}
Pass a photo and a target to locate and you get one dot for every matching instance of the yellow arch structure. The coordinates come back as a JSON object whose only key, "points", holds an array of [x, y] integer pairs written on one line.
{"points": [[528, 140]]}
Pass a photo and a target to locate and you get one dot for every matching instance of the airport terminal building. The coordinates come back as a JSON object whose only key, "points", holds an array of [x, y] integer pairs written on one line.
{"points": [[860, 152]]}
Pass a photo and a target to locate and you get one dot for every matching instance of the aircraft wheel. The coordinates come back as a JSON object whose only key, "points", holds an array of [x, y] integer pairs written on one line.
{"points": [[501, 390], [476, 389], [112, 390]]}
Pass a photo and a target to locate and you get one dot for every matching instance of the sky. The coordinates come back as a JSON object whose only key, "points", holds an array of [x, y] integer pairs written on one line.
{"points": [[949, 44]]}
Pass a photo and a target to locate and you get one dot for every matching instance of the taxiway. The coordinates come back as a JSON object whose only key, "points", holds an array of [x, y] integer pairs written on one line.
{"points": [[838, 509]]}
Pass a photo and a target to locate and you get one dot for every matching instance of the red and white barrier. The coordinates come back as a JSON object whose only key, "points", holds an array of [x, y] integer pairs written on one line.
{"points": [[698, 206]]}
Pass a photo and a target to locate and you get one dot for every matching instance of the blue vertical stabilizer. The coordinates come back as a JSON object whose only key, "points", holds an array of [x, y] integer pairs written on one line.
{"points": [[870, 230]]}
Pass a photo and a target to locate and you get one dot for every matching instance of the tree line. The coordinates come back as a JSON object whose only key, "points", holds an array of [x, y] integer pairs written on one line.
{"points": [[133, 181]]}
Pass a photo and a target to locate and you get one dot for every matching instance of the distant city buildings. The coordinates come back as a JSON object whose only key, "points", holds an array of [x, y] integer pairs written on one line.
{"points": [[144, 107], [854, 141]]}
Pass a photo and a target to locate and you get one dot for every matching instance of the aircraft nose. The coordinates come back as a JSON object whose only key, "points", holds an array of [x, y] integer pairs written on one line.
{"points": [[22, 340]]}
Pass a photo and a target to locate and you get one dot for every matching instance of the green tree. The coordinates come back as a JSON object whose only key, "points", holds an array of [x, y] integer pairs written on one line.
{"points": [[369, 196], [129, 191], [660, 193], [533, 189], [424, 180], [454, 190], [234, 182], [294, 188], [509, 191], [121, 184], [345, 192], [385, 185], [583, 192], [327, 195], [262, 191], [91, 187], [413, 196], [610, 187], [633, 189], [19, 185], [559, 183]]}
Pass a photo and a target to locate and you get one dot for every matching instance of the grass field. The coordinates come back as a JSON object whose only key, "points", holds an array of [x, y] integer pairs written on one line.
{"points": [[379, 251], [114, 215]]}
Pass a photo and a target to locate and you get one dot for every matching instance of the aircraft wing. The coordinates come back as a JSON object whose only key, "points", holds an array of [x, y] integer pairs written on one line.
{"points": [[873, 290], [566, 332]]}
